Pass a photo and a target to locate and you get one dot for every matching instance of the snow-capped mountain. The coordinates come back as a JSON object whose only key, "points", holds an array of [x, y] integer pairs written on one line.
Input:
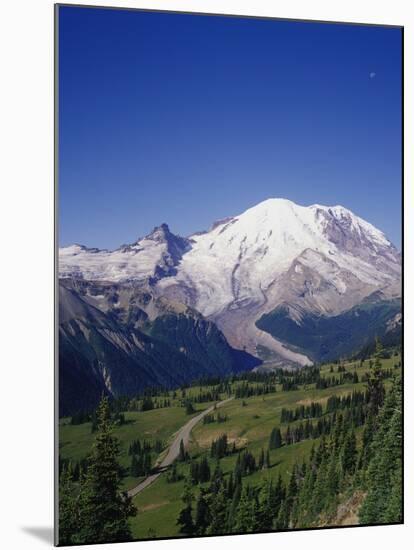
{"points": [[152, 257], [243, 258], [316, 259]]}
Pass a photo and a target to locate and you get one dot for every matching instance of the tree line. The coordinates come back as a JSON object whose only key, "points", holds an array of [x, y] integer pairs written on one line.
{"points": [[141, 456], [350, 409], [314, 410], [242, 385], [336, 468], [211, 418]]}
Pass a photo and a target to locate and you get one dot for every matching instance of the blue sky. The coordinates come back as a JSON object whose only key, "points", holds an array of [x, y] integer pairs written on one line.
{"points": [[186, 119]]}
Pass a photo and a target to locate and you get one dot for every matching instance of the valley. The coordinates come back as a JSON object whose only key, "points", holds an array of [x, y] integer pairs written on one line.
{"points": [[247, 420]]}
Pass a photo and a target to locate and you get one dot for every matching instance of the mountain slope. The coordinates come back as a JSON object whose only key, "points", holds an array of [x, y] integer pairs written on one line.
{"points": [[325, 338], [317, 259], [324, 260], [243, 258], [98, 353]]}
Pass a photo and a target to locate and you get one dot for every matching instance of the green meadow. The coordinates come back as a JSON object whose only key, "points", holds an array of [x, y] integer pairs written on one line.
{"points": [[249, 423]]}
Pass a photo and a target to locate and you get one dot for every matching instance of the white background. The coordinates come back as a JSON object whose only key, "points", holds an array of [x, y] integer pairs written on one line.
{"points": [[26, 270]]}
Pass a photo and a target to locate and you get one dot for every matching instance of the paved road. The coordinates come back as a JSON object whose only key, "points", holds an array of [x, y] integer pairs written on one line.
{"points": [[174, 450]]}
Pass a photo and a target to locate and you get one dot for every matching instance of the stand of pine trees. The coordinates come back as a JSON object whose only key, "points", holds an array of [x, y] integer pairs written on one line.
{"points": [[383, 470], [211, 418], [94, 510], [174, 474], [141, 456], [242, 385], [337, 468], [314, 410], [75, 469], [200, 471], [219, 447]]}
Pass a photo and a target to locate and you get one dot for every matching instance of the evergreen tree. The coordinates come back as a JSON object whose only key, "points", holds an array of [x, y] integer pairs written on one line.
{"points": [[103, 509], [185, 518], [275, 440], [68, 509], [218, 512], [217, 478], [290, 498], [265, 512], [375, 389], [185, 521], [349, 453], [383, 502], [245, 515], [393, 510], [367, 437], [219, 447], [283, 516], [305, 512], [189, 409], [173, 474], [230, 486], [147, 463], [202, 519], [279, 493], [333, 478], [231, 519], [182, 454], [135, 469], [204, 470]]}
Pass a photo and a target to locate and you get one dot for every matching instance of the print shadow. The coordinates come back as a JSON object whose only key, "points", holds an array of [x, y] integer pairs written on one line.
{"points": [[42, 533]]}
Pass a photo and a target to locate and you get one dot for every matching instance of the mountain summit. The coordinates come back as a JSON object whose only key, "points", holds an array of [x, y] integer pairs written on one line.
{"points": [[314, 260], [323, 259], [148, 259]]}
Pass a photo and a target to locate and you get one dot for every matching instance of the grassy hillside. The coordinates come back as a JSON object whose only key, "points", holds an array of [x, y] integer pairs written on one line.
{"points": [[75, 441], [249, 425], [246, 420]]}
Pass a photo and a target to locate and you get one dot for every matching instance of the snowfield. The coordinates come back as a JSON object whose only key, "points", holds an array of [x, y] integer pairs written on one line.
{"points": [[241, 259]]}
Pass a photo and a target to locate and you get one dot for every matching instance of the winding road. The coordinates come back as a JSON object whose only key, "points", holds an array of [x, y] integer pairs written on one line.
{"points": [[174, 450]]}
